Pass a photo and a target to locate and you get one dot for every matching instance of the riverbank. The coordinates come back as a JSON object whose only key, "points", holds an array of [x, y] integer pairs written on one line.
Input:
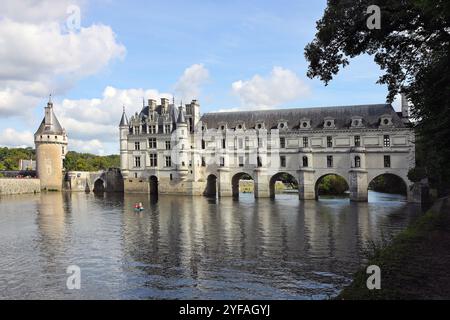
{"points": [[414, 265]]}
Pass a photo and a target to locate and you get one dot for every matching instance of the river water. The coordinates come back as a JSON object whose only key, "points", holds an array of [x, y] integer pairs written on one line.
{"points": [[189, 247]]}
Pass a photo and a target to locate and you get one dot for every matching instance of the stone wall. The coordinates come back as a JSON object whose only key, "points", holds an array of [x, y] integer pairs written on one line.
{"points": [[19, 186]]}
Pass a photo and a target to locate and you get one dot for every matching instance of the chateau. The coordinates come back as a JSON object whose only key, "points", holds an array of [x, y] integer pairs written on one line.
{"points": [[170, 149]]}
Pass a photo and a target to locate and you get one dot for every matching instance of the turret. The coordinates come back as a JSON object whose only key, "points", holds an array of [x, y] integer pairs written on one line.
{"points": [[51, 148], [124, 130]]}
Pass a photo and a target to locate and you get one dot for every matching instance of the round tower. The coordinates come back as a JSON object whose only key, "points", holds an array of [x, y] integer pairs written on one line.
{"points": [[182, 144], [51, 148], [124, 129]]}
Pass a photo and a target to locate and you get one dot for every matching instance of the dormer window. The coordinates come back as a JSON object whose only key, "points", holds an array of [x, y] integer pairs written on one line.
{"points": [[305, 123], [386, 120], [357, 122], [240, 126], [328, 123], [222, 126], [282, 125], [260, 125]]}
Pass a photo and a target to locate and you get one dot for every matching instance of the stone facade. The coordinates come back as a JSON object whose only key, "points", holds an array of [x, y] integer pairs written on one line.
{"points": [[51, 147], [110, 180], [170, 149], [19, 186]]}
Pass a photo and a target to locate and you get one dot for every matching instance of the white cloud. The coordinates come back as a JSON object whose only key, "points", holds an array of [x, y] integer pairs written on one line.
{"points": [[94, 146], [97, 120], [188, 87], [36, 11], [11, 138], [281, 86], [38, 56]]}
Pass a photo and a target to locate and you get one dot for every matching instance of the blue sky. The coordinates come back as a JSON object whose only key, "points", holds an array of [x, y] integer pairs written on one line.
{"points": [[233, 55]]}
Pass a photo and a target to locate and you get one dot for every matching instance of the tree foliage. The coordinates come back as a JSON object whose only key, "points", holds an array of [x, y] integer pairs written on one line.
{"points": [[9, 158], [332, 185], [388, 183], [88, 162], [412, 47]]}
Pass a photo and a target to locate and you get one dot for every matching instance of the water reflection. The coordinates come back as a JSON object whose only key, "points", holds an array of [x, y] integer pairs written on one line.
{"points": [[187, 248]]}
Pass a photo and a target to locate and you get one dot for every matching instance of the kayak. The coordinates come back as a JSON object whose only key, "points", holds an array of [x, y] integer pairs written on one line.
{"points": [[138, 209]]}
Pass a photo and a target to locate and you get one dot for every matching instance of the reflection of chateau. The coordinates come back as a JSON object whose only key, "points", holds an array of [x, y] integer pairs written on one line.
{"points": [[51, 147], [170, 149]]}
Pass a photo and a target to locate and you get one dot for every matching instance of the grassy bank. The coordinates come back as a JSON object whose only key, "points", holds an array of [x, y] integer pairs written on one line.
{"points": [[415, 265]]}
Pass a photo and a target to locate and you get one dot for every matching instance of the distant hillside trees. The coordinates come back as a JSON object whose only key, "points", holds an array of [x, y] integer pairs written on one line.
{"points": [[88, 162], [9, 157], [9, 160]]}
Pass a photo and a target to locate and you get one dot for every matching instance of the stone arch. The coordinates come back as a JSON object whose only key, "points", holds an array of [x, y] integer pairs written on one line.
{"points": [[285, 177], [211, 186], [320, 178], [99, 186], [153, 185], [395, 184], [235, 182]]}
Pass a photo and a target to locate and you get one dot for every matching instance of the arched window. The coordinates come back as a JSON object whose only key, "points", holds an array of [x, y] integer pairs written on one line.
{"points": [[305, 161], [357, 162]]}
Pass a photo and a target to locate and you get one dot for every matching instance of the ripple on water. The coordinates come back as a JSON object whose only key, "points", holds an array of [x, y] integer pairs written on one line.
{"points": [[188, 248]]}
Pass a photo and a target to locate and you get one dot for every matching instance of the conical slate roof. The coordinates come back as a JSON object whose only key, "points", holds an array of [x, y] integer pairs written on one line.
{"points": [[181, 117], [50, 124], [124, 120]]}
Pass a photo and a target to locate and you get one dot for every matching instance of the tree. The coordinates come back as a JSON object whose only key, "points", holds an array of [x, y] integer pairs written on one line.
{"points": [[412, 47]]}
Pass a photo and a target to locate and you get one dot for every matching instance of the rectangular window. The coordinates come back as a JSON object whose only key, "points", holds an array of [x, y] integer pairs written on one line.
{"points": [[152, 143], [137, 162], [283, 161], [152, 129], [203, 145], [136, 130], [305, 161], [247, 143], [357, 141], [222, 161], [224, 143], [168, 161], [329, 142], [137, 146], [241, 143], [259, 162], [387, 141], [203, 162], [260, 143], [153, 160], [387, 161], [330, 161], [241, 161], [168, 145], [144, 128], [282, 143], [167, 128], [305, 142]]}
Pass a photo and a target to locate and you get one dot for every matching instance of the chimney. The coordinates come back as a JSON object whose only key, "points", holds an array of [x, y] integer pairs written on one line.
{"points": [[405, 106], [165, 104], [151, 104]]}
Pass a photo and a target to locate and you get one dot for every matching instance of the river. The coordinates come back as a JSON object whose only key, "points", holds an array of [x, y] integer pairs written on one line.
{"points": [[189, 247]]}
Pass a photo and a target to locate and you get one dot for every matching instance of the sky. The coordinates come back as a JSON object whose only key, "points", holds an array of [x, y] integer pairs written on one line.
{"points": [[94, 57]]}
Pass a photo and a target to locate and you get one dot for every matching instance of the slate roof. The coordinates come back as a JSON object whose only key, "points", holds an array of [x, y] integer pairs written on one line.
{"points": [[342, 114], [123, 120], [50, 125]]}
